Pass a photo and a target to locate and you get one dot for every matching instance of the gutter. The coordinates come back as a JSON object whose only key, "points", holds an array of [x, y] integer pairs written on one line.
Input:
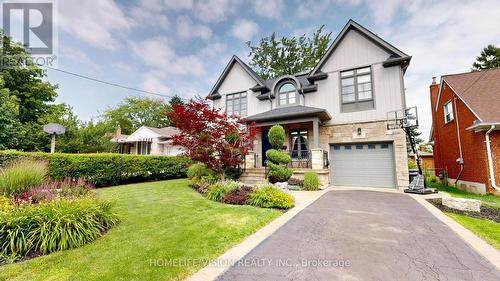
{"points": [[490, 159], [461, 159]]}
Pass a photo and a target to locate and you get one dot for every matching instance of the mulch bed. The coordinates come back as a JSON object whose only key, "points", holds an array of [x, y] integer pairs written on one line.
{"points": [[486, 212]]}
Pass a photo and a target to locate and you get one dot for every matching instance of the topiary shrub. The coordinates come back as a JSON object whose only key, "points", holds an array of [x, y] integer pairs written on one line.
{"points": [[199, 170], [270, 197], [311, 181], [277, 159]]}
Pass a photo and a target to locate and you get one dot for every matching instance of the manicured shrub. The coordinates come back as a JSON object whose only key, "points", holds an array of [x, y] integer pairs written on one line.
{"points": [[278, 173], [104, 169], [238, 196], [54, 226], [311, 181], [270, 197], [276, 136], [277, 159], [22, 175], [198, 170], [217, 191], [277, 156]]}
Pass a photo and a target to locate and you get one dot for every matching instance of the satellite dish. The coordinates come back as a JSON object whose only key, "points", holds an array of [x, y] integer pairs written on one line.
{"points": [[53, 128]]}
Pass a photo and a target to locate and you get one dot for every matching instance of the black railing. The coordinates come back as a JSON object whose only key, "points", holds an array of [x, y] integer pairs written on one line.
{"points": [[300, 159]]}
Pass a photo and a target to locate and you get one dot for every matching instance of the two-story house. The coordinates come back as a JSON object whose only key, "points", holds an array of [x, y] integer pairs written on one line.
{"points": [[466, 129], [334, 115]]}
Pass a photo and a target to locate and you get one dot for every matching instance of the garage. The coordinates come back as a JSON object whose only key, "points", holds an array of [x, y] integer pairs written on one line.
{"points": [[363, 164]]}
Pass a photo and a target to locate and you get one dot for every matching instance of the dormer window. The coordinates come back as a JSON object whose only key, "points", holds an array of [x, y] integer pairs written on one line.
{"points": [[287, 94]]}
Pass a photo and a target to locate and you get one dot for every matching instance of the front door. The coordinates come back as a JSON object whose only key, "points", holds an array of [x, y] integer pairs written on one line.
{"points": [[299, 142], [265, 146]]}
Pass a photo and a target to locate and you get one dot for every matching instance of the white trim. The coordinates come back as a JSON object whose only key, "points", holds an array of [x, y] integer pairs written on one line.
{"points": [[455, 92]]}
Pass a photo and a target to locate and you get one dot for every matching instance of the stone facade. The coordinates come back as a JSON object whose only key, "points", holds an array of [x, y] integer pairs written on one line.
{"points": [[370, 132]]}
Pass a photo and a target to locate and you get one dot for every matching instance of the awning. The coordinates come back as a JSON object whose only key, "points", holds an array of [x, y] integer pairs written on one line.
{"points": [[290, 112]]}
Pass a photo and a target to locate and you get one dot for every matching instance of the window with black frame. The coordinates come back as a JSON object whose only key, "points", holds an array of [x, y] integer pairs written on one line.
{"points": [[236, 104], [300, 144], [356, 89]]}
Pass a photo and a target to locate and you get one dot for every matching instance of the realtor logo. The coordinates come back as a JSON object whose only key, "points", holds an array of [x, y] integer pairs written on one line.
{"points": [[31, 24]]}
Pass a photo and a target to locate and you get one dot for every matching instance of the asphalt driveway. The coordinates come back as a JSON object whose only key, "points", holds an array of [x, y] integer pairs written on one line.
{"points": [[363, 235]]}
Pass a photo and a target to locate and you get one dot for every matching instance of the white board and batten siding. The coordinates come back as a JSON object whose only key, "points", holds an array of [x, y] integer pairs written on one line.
{"points": [[238, 80], [353, 52]]}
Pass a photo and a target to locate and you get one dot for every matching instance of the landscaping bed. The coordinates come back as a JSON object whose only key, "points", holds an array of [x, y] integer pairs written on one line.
{"points": [[486, 212], [167, 232]]}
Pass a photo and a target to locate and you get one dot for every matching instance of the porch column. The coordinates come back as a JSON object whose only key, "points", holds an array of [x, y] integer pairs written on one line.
{"points": [[316, 132]]}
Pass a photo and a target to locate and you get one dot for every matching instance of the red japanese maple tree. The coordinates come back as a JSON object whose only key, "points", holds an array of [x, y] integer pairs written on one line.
{"points": [[211, 136]]}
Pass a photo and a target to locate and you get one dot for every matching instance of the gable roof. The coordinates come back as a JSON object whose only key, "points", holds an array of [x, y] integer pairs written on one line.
{"points": [[234, 59], [165, 132], [480, 91], [396, 55]]}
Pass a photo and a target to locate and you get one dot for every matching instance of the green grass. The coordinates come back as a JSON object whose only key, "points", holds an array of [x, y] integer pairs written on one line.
{"points": [[488, 200], [486, 229], [160, 221]]}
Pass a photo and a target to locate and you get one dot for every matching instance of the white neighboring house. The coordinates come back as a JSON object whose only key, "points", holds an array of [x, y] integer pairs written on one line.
{"points": [[334, 116], [148, 141]]}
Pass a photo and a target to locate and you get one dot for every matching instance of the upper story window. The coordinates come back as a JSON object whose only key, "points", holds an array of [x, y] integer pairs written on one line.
{"points": [[287, 94], [448, 112], [236, 104], [356, 89]]}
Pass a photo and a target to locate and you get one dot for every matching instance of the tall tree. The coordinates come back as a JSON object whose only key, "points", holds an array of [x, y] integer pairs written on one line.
{"points": [[134, 112], [489, 58], [9, 118], [416, 139], [175, 100], [274, 57]]}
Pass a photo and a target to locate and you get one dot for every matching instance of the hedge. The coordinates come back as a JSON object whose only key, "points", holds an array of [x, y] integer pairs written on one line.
{"points": [[104, 169]]}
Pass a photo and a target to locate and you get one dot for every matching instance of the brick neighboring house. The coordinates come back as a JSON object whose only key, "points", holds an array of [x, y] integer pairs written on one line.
{"points": [[466, 129]]}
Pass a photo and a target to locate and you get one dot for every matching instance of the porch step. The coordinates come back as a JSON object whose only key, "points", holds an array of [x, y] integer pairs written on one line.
{"points": [[253, 176]]}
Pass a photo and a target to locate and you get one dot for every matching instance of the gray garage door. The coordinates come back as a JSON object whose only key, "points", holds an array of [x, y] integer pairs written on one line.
{"points": [[369, 165]]}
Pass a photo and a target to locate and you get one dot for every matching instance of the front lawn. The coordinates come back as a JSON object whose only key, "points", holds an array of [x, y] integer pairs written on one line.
{"points": [[162, 222], [486, 229], [489, 200]]}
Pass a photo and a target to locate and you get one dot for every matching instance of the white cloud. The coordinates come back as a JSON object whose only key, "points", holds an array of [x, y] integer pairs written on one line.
{"points": [[212, 50], [153, 82], [148, 13], [78, 56], [178, 4], [94, 22], [187, 29], [244, 29], [215, 10], [382, 11], [157, 52], [268, 8]]}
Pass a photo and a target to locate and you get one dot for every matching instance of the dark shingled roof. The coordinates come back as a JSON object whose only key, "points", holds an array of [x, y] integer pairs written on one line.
{"points": [[480, 90], [288, 112]]}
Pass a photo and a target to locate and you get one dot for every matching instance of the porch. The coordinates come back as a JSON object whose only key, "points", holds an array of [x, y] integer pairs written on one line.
{"points": [[301, 126]]}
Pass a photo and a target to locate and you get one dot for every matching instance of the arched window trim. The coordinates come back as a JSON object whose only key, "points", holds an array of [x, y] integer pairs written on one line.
{"points": [[290, 99]]}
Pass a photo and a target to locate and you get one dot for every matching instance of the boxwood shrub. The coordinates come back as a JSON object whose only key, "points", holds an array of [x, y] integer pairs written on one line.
{"points": [[104, 169]]}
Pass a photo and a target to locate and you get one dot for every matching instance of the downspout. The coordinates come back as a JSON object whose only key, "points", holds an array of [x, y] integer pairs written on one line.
{"points": [[461, 159], [490, 159]]}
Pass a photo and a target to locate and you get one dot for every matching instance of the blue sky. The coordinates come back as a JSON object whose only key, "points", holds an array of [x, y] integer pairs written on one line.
{"points": [[180, 47]]}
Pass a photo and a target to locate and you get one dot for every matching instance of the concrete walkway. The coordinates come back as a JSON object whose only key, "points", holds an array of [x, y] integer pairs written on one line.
{"points": [[363, 235]]}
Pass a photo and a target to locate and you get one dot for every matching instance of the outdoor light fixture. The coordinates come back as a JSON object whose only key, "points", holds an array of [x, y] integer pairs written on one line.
{"points": [[359, 131]]}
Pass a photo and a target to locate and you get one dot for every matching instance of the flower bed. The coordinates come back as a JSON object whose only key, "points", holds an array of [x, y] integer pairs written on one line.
{"points": [[43, 216]]}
